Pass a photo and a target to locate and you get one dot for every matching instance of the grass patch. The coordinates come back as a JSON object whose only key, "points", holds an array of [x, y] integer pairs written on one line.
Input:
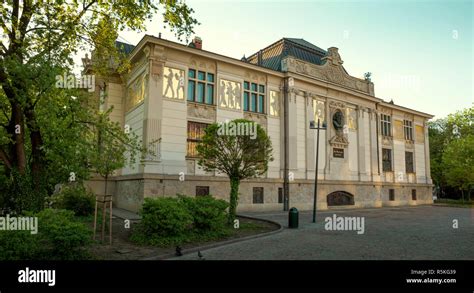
{"points": [[139, 237], [455, 202]]}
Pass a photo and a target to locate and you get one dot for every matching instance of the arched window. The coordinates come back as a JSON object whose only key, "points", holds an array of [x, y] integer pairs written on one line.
{"points": [[340, 198]]}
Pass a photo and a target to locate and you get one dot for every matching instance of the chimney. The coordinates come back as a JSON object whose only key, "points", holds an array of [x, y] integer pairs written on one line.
{"points": [[259, 58], [197, 42]]}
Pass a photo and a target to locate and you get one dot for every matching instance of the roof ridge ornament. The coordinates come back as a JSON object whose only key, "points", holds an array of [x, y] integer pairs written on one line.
{"points": [[333, 56]]}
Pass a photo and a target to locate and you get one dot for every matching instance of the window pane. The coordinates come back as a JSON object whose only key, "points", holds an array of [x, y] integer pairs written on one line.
{"points": [[254, 87], [209, 94], [210, 77], [200, 93], [191, 86], [261, 88], [253, 103], [260, 103], [201, 75], [246, 85], [192, 73], [246, 101], [202, 190]]}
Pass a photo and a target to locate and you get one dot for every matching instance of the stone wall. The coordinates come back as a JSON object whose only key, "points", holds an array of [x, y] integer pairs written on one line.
{"points": [[130, 192]]}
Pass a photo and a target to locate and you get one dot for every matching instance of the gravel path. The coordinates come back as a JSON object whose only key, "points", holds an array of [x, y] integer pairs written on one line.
{"points": [[401, 233]]}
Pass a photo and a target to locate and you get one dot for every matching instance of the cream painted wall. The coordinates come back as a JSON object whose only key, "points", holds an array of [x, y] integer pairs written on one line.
{"points": [[420, 163], [301, 137], [134, 119], [174, 136], [399, 161], [115, 99], [274, 125]]}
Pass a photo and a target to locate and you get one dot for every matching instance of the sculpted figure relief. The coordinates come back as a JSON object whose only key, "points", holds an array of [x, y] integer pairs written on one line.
{"points": [[230, 94], [174, 83]]}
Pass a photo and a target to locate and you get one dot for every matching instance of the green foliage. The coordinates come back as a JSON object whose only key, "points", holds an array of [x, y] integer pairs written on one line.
{"points": [[19, 245], [451, 152], [238, 155], [59, 127], [17, 194], [165, 217], [208, 214], [458, 161], [59, 237], [63, 237], [75, 198], [170, 221]]}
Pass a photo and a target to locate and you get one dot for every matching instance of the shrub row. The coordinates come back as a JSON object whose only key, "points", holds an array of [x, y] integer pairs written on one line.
{"points": [[59, 237], [174, 220], [75, 198]]}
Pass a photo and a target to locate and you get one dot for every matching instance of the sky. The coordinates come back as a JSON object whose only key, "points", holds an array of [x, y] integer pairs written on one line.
{"points": [[420, 53]]}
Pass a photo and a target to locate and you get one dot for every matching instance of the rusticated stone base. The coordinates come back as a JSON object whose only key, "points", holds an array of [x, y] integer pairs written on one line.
{"points": [[132, 189]]}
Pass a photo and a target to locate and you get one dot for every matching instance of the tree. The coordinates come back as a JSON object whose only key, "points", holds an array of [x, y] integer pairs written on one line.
{"points": [[110, 140], [38, 40], [444, 134], [458, 161], [240, 149]]}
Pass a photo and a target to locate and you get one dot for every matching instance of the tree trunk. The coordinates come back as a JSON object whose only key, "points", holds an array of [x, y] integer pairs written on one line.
{"points": [[234, 197], [105, 191], [36, 152], [16, 129]]}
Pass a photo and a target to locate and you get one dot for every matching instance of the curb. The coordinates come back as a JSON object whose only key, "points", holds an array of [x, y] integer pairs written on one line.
{"points": [[222, 243], [452, 206]]}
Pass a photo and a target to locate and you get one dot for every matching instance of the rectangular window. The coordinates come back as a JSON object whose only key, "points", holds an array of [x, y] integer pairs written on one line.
{"points": [[201, 75], [280, 195], [254, 97], [202, 190], [200, 92], [409, 162], [200, 87], [260, 103], [413, 194], [210, 77], [195, 134], [258, 195], [387, 160], [253, 103], [191, 90], [391, 194], [246, 101], [408, 129], [209, 94], [386, 125]]}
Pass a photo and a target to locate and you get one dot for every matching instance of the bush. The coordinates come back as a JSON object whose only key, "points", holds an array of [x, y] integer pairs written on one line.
{"points": [[208, 214], [59, 237], [165, 217], [167, 221], [64, 237], [19, 245], [74, 198]]}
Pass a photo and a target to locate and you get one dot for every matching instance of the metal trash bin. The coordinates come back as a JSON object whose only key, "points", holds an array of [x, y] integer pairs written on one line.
{"points": [[293, 216]]}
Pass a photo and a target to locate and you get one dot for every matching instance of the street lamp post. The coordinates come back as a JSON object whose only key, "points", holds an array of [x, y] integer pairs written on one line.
{"points": [[323, 127]]}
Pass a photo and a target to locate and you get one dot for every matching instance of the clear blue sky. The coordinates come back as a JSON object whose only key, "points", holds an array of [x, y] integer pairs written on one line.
{"points": [[420, 53]]}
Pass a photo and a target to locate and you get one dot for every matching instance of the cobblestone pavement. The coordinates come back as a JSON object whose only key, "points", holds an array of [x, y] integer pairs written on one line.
{"points": [[398, 233]]}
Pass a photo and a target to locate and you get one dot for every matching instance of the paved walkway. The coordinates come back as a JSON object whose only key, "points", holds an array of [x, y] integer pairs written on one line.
{"points": [[124, 214], [401, 233]]}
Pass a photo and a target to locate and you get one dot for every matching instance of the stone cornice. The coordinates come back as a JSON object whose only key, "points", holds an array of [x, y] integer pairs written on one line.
{"points": [[330, 71]]}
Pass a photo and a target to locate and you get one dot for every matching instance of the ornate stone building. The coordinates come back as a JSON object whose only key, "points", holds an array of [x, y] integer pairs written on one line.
{"points": [[372, 153]]}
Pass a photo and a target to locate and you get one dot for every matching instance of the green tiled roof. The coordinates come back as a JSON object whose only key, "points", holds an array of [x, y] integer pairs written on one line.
{"points": [[124, 47], [298, 48]]}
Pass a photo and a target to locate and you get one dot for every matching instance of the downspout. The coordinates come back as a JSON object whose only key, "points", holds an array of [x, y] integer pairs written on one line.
{"points": [[377, 129], [286, 186]]}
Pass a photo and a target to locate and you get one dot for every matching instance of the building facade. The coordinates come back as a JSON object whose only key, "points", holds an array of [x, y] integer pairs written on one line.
{"points": [[372, 153]]}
